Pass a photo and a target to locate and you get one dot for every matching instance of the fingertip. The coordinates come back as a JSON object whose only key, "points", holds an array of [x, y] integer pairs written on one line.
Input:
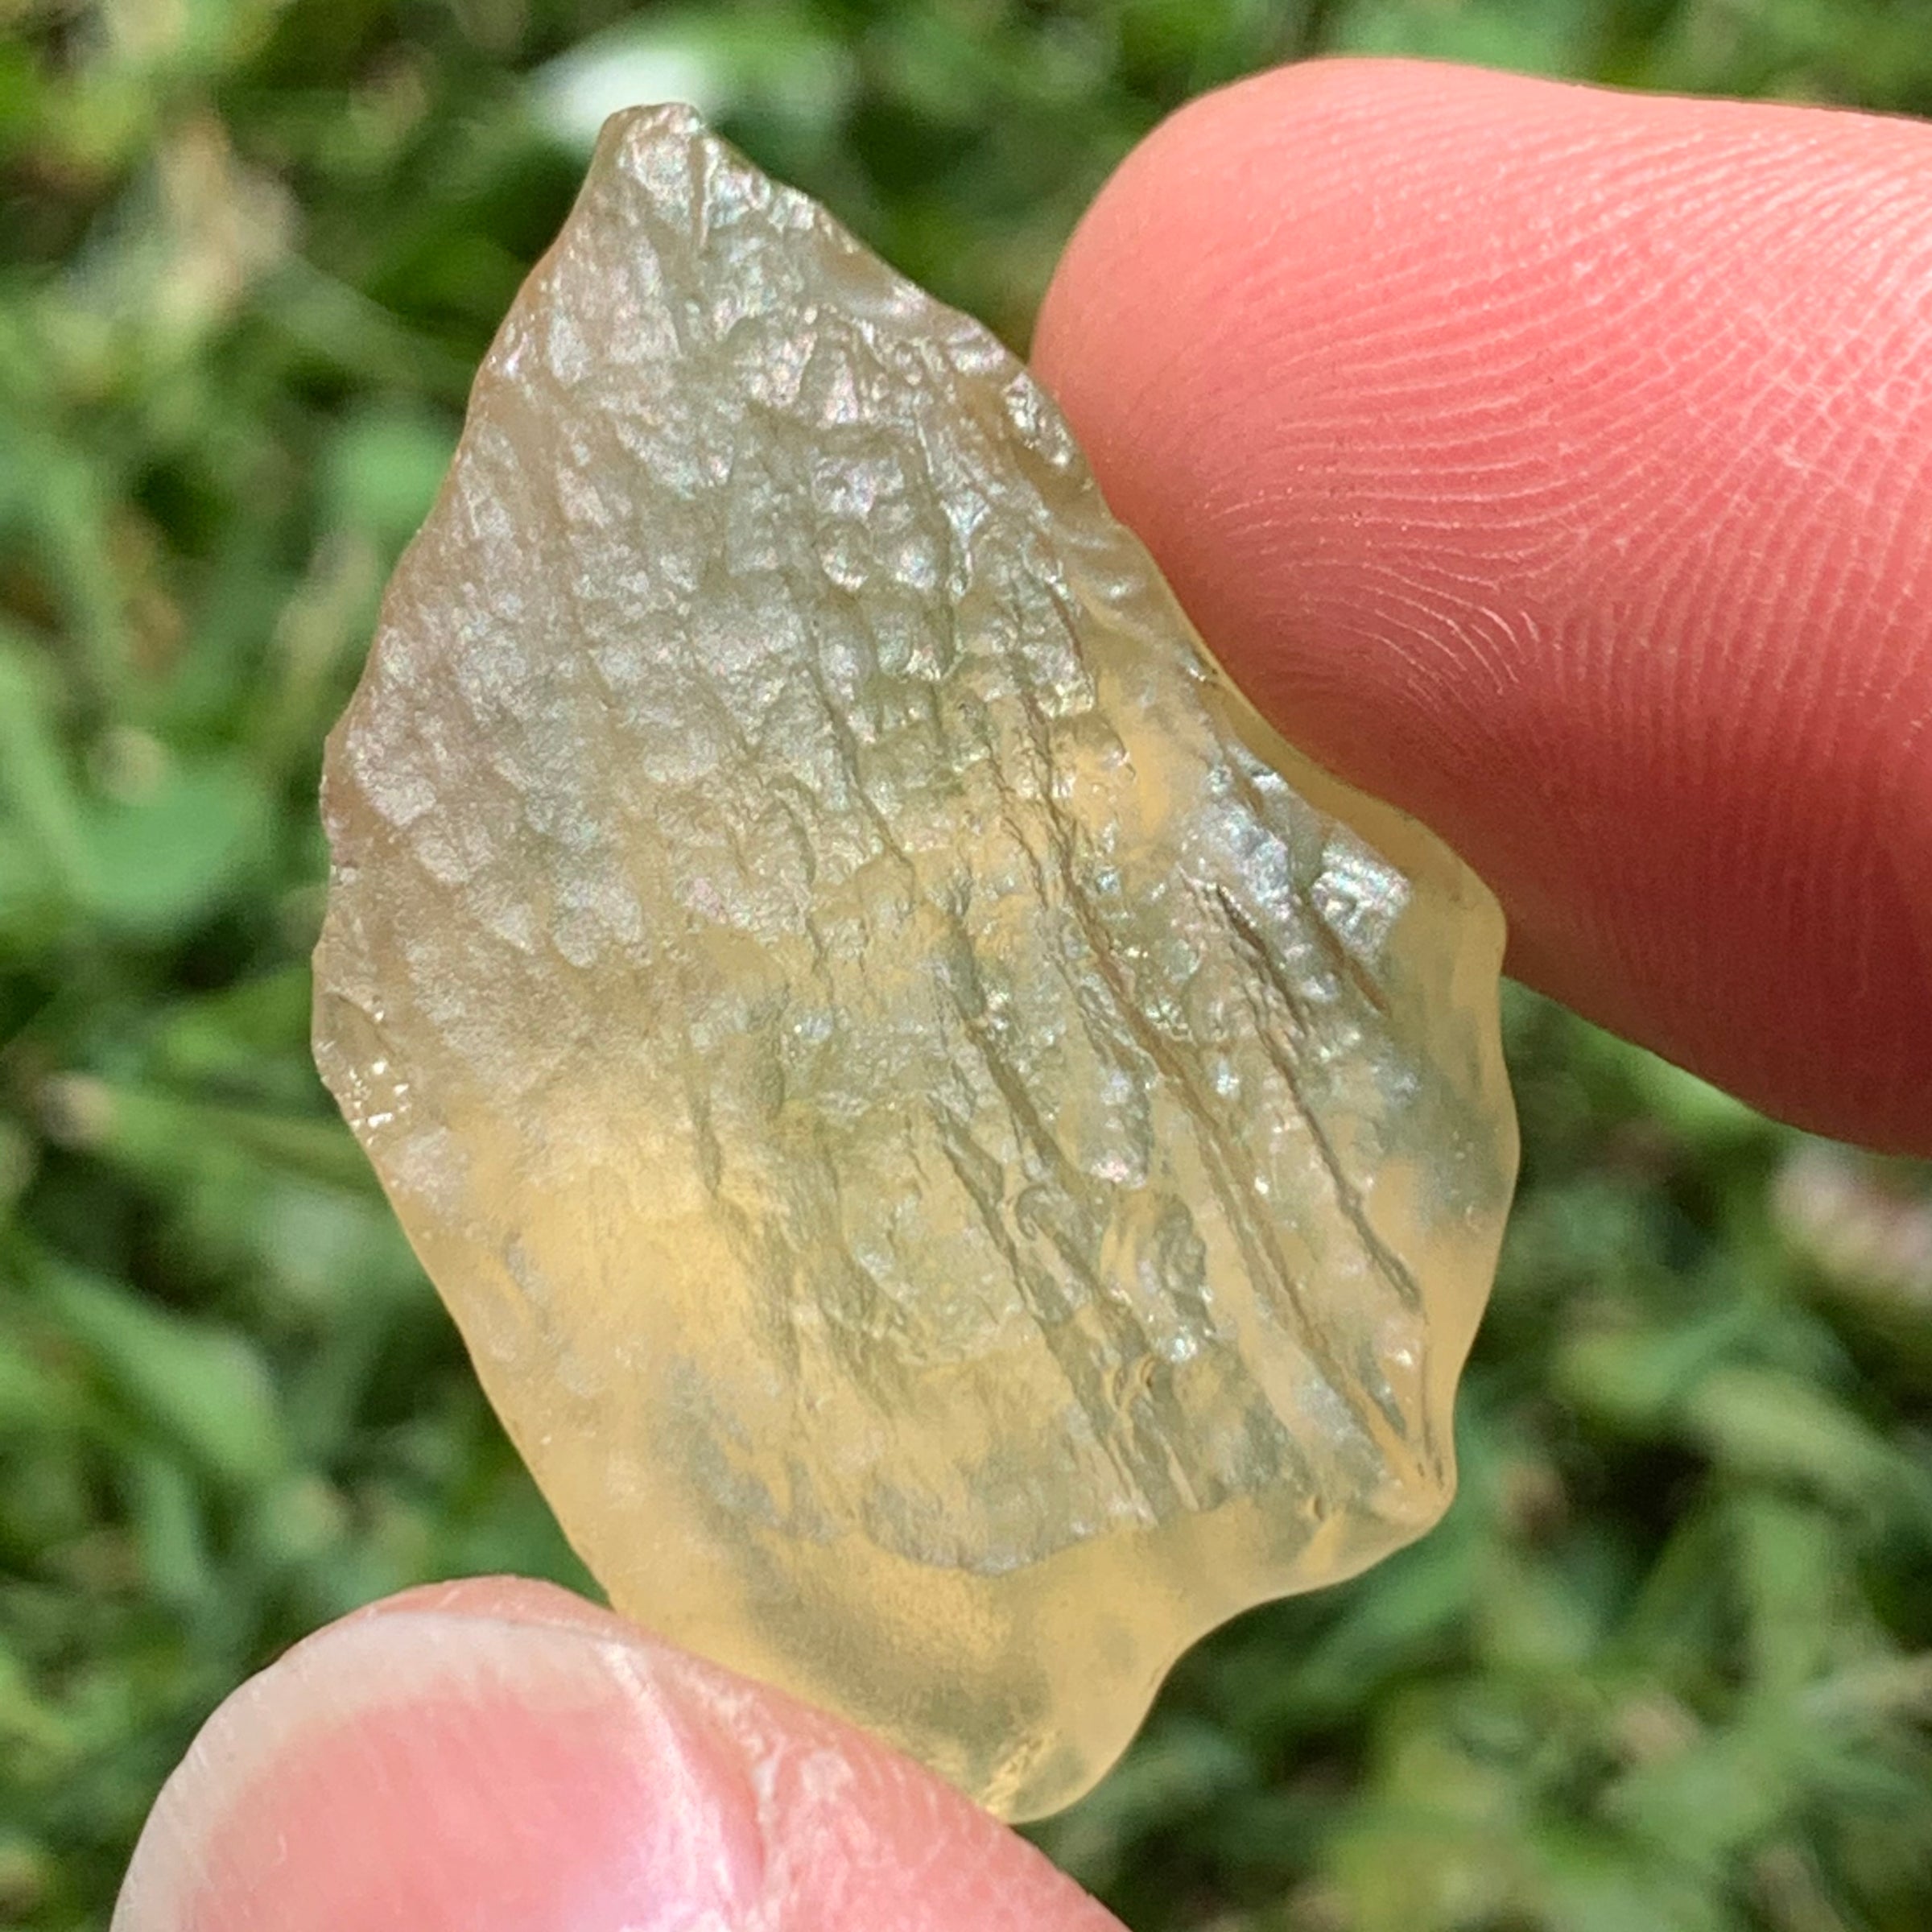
{"points": [[1557, 464], [495, 1755]]}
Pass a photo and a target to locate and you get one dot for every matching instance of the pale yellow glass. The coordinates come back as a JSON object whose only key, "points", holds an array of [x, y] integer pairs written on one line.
{"points": [[961, 1159]]}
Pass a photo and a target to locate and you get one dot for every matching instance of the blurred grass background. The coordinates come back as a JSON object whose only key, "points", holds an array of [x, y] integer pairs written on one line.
{"points": [[1667, 1665]]}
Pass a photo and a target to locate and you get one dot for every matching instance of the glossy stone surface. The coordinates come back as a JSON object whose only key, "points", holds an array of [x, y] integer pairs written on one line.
{"points": [[960, 1157]]}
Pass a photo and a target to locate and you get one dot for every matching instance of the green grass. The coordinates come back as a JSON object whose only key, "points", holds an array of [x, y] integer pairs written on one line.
{"points": [[1667, 1665]]}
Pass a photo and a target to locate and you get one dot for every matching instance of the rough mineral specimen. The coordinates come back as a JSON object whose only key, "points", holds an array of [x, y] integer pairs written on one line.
{"points": [[961, 1158]]}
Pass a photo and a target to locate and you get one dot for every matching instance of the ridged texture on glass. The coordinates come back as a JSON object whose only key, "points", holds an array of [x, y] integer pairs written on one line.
{"points": [[961, 1158]]}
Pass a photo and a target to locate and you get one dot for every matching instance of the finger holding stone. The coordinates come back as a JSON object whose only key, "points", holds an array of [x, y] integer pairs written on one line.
{"points": [[1557, 464], [500, 1756]]}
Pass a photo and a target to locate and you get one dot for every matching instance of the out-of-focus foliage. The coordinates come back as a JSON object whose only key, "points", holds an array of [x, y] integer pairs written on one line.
{"points": [[1667, 1665]]}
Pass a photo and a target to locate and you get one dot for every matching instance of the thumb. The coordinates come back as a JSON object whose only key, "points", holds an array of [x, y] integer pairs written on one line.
{"points": [[496, 1755]]}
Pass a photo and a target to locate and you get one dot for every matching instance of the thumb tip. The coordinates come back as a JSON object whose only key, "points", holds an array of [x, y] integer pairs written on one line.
{"points": [[497, 1754]]}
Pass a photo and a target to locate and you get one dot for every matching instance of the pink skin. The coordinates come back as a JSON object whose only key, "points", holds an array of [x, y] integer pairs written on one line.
{"points": [[1556, 463], [496, 1755]]}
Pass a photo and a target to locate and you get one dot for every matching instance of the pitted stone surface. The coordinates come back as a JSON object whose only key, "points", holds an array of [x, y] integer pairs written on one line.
{"points": [[961, 1158]]}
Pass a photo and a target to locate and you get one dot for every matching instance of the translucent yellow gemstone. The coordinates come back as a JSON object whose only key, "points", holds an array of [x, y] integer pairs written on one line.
{"points": [[961, 1158]]}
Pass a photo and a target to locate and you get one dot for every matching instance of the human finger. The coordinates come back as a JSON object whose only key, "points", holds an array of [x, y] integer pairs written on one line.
{"points": [[496, 1755], [1557, 463]]}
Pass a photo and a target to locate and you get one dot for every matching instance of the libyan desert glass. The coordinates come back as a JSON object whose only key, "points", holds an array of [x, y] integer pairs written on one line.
{"points": [[961, 1158]]}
